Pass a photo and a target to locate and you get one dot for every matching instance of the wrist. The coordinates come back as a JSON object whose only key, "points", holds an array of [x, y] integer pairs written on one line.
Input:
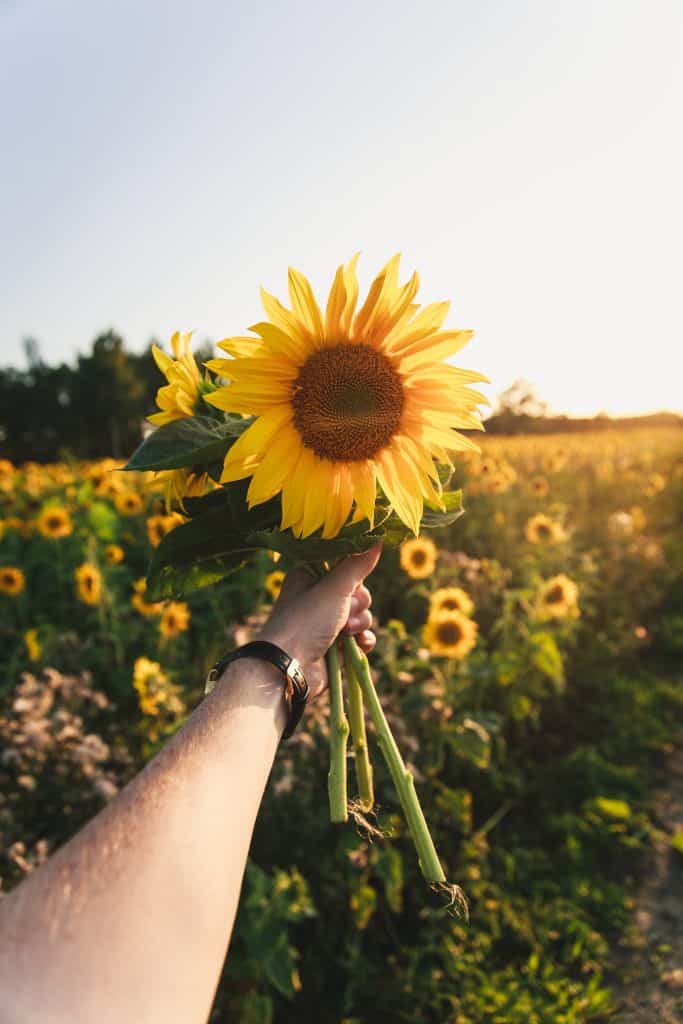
{"points": [[252, 681]]}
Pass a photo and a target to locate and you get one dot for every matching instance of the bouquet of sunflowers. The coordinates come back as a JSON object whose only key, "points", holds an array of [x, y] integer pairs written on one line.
{"points": [[316, 436]]}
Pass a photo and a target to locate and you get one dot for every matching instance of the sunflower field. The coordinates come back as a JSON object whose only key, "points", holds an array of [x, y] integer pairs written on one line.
{"points": [[528, 663]]}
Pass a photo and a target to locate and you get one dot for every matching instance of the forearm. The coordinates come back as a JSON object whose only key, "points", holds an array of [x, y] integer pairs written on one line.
{"points": [[131, 919]]}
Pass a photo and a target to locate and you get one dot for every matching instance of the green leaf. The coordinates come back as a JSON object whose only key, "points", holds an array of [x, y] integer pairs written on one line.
{"points": [[191, 441], [546, 657], [103, 521]]}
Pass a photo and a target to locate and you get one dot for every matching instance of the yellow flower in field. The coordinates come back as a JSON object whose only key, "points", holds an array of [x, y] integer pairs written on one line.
{"points": [[128, 503], [179, 484], [159, 526], [33, 647], [558, 598], [541, 529], [7, 472], [655, 484], [539, 486], [54, 522], [89, 583], [179, 397], [113, 554], [418, 557], [139, 603], [273, 583], [155, 692], [175, 619], [345, 401], [638, 519], [450, 599], [12, 580], [450, 634]]}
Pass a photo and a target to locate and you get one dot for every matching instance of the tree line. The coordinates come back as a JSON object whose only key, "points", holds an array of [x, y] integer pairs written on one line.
{"points": [[97, 406]]}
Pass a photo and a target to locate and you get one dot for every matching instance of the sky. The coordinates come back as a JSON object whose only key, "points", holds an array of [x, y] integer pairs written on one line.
{"points": [[161, 161]]}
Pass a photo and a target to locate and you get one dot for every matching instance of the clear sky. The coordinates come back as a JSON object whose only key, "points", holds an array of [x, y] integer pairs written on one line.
{"points": [[161, 160]]}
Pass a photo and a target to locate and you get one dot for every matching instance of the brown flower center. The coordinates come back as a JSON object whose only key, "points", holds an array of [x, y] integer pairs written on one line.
{"points": [[347, 402], [449, 633], [450, 604], [54, 522], [555, 595], [418, 558]]}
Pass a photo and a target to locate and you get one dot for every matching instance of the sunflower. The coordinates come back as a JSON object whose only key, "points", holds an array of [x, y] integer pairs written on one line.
{"points": [[418, 557], [138, 600], [113, 554], [159, 526], [345, 401], [175, 619], [7, 472], [541, 529], [33, 646], [450, 599], [55, 522], [128, 503], [179, 397], [538, 486], [558, 598], [12, 580], [273, 583], [89, 583], [178, 484], [451, 634], [155, 691]]}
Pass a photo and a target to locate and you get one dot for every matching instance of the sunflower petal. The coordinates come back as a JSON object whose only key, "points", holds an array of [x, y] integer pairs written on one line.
{"points": [[304, 304]]}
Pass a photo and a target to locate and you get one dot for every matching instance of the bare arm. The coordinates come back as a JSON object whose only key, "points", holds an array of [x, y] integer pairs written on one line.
{"points": [[131, 919]]}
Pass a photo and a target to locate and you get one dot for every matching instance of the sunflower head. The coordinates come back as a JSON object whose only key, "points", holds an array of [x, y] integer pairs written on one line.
{"points": [[89, 583], [12, 580], [158, 526], [418, 558], [450, 599], [346, 400], [138, 600], [273, 583], [179, 397], [175, 619], [113, 554], [558, 598], [538, 486], [54, 522], [450, 634], [128, 503], [540, 529], [178, 484]]}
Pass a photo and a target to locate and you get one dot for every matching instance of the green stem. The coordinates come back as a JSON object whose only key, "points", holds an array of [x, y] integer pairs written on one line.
{"points": [[403, 779], [339, 734], [362, 763]]}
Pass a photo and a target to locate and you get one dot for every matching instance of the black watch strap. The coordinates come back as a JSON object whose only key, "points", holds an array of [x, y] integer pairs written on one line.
{"points": [[296, 688]]}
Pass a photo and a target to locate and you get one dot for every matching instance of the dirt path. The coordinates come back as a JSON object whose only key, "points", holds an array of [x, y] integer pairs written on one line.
{"points": [[649, 981]]}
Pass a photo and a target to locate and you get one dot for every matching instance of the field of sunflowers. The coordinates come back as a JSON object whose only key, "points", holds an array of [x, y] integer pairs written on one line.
{"points": [[528, 662]]}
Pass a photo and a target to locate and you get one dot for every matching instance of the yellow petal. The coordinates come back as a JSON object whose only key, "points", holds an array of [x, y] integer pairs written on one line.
{"points": [[240, 346], [335, 306], [433, 349], [424, 325], [351, 287], [381, 289], [304, 304], [278, 463], [278, 341], [364, 478], [406, 504], [162, 360], [338, 499], [257, 436], [282, 317], [315, 497]]}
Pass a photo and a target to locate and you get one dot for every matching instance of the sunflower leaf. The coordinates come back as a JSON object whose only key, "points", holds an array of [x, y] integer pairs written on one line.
{"points": [[191, 441]]}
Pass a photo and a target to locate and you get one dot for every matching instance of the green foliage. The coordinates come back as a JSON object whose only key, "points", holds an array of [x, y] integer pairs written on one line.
{"points": [[191, 441]]}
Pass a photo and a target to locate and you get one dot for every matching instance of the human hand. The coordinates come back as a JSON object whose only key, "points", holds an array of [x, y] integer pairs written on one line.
{"points": [[309, 614]]}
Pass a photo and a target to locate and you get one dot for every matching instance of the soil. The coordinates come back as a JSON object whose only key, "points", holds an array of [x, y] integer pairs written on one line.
{"points": [[648, 980]]}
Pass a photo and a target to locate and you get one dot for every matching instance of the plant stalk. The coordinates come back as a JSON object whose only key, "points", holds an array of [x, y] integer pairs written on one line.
{"points": [[402, 777], [363, 767], [339, 734]]}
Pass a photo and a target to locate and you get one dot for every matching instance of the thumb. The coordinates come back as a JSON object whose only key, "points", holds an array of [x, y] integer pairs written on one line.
{"points": [[346, 576]]}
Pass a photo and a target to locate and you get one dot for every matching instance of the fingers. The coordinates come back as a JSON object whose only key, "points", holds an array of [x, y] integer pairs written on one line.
{"points": [[360, 600], [358, 623], [346, 576], [366, 641]]}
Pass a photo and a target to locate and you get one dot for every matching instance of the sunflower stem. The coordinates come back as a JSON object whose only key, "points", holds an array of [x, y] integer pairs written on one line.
{"points": [[339, 734], [402, 777], [363, 766]]}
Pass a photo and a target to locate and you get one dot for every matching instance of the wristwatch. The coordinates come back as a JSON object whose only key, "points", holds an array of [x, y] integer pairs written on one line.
{"points": [[296, 688]]}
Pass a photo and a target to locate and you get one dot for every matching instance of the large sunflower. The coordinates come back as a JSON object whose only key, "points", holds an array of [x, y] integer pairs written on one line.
{"points": [[346, 400]]}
